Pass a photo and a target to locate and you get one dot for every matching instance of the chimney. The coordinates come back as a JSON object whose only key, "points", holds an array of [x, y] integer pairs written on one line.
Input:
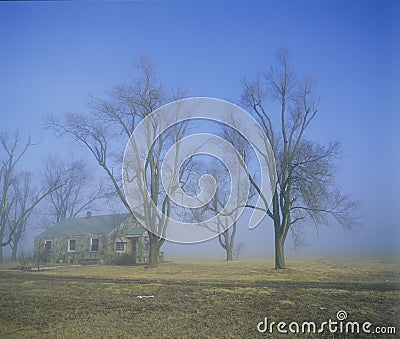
{"points": [[88, 215]]}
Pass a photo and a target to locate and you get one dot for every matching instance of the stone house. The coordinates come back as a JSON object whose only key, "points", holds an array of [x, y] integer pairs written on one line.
{"points": [[93, 239]]}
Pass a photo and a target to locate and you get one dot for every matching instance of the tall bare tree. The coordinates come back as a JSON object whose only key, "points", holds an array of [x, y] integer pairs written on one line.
{"points": [[226, 224], [106, 131], [305, 190], [17, 197], [227, 238], [227, 232], [22, 194]]}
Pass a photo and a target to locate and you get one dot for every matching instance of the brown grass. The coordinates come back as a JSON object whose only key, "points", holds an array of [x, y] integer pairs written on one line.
{"points": [[196, 298]]}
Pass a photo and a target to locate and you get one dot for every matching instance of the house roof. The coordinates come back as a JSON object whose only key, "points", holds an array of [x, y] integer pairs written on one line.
{"points": [[137, 231], [99, 225]]}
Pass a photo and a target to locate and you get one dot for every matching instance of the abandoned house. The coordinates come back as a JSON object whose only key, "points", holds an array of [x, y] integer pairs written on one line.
{"points": [[93, 239]]}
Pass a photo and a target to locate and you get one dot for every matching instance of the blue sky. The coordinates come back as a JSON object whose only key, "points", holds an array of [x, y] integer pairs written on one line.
{"points": [[52, 55]]}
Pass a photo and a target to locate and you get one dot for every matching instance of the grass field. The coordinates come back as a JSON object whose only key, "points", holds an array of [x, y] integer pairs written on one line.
{"points": [[198, 299]]}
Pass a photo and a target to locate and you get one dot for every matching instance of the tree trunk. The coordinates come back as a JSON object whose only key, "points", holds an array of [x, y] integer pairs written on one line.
{"points": [[279, 251], [14, 253], [227, 241], [1, 239], [154, 252], [153, 256], [229, 252], [17, 239]]}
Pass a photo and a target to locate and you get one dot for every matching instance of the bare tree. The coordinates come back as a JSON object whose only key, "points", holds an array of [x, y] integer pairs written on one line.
{"points": [[78, 193], [22, 195], [18, 198], [226, 235], [226, 224], [226, 179], [11, 154], [226, 231], [227, 238], [305, 188], [105, 133]]}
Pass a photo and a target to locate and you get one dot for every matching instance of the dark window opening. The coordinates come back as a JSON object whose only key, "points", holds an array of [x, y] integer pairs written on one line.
{"points": [[47, 245], [120, 246], [94, 246], [71, 245]]}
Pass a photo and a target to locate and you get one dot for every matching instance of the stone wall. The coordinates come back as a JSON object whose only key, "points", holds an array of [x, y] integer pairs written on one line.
{"points": [[59, 252]]}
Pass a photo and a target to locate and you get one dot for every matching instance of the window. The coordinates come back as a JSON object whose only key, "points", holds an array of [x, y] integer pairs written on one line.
{"points": [[146, 244], [94, 244], [71, 245], [120, 247], [47, 245]]}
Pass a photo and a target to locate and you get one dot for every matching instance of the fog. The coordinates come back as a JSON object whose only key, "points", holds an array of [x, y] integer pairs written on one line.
{"points": [[47, 67]]}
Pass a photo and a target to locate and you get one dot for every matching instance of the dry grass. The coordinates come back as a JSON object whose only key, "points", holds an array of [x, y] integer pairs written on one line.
{"points": [[196, 298]]}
